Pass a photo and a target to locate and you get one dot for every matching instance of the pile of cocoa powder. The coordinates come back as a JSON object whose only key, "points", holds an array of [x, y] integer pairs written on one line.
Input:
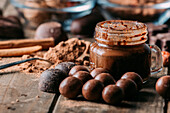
{"points": [[72, 50]]}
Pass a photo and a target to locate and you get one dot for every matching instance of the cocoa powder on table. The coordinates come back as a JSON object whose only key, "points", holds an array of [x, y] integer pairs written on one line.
{"points": [[69, 50]]}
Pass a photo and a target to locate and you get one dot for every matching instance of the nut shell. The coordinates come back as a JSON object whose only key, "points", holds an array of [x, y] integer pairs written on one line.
{"points": [[112, 94], [163, 86], [70, 87], [92, 90], [50, 80]]}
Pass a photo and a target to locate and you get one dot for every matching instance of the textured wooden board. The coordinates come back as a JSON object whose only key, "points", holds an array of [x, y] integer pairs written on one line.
{"points": [[147, 101], [19, 92]]}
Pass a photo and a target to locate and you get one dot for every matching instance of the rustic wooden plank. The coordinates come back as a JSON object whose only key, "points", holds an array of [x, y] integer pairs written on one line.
{"points": [[19, 93], [168, 110], [147, 101]]}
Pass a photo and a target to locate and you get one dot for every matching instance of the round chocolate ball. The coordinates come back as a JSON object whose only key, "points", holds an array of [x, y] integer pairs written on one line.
{"points": [[65, 66], [70, 87], [50, 80], [129, 87], [51, 29], [76, 69], [135, 77], [163, 87], [92, 90], [105, 78], [112, 94], [97, 71], [84, 76]]}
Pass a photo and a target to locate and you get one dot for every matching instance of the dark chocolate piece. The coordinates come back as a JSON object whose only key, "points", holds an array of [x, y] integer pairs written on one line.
{"points": [[51, 29], [97, 71], [135, 77], [65, 66], [51, 79], [71, 87], [84, 76], [76, 69], [112, 94], [105, 78], [163, 87], [129, 87], [92, 90]]}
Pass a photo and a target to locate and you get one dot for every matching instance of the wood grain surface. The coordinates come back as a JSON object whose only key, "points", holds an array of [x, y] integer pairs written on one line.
{"points": [[19, 93]]}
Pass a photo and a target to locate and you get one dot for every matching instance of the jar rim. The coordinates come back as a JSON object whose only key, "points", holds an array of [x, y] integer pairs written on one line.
{"points": [[121, 32]]}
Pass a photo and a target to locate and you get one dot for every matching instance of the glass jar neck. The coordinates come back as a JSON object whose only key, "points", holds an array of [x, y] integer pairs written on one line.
{"points": [[120, 32]]}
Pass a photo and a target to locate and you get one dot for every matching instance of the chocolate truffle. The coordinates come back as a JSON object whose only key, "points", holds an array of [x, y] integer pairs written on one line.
{"points": [[166, 58], [71, 87], [112, 94], [92, 90], [129, 87], [50, 80], [135, 77], [85, 26], [97, 71], [51, 29], [76, 69], [105, 78], [65, 66], [84, 76], [163, 87], [36, 16]]}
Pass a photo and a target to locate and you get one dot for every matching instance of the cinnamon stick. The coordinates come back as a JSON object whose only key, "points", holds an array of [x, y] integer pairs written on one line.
{"points": [[19, 51], [45, 43]]}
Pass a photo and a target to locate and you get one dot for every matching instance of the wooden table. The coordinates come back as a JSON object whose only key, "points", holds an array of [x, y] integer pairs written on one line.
{"points": [[19, 93]]}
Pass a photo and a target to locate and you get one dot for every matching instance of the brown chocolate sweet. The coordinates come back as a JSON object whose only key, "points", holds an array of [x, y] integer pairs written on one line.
{"points": [[97, 71], [129, 87], [105, 78], [85, 26], [163, 86], [92, 90], [84, 76], [112, 94], [135, 77], [76, 69], [166, 58], [70, 87], [51, 29], [65, 66], [50, 80]]}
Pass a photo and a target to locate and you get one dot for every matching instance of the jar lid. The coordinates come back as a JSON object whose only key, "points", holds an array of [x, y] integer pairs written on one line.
{"points": [[121, 32]]}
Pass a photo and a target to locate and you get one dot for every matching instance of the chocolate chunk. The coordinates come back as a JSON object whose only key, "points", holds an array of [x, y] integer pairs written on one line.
{"points": [[76, 69], [105, 78], [71, 87], [129, 87], [92, 90], [135, 77], [112, 94], [84, 76], [97, 71], [51, 79], [51, 29], [85, 26], [163, 86], [65, 66]]}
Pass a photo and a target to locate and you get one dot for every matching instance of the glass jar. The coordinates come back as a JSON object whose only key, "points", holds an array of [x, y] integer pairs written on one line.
{"points": [[120, 47]]}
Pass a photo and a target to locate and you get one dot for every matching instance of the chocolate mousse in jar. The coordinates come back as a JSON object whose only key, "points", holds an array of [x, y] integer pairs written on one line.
{"points": [[120, 47]]}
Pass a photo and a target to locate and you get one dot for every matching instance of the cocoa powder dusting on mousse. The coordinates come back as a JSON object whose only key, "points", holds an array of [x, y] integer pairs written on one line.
{"points": [[72, 50]]}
